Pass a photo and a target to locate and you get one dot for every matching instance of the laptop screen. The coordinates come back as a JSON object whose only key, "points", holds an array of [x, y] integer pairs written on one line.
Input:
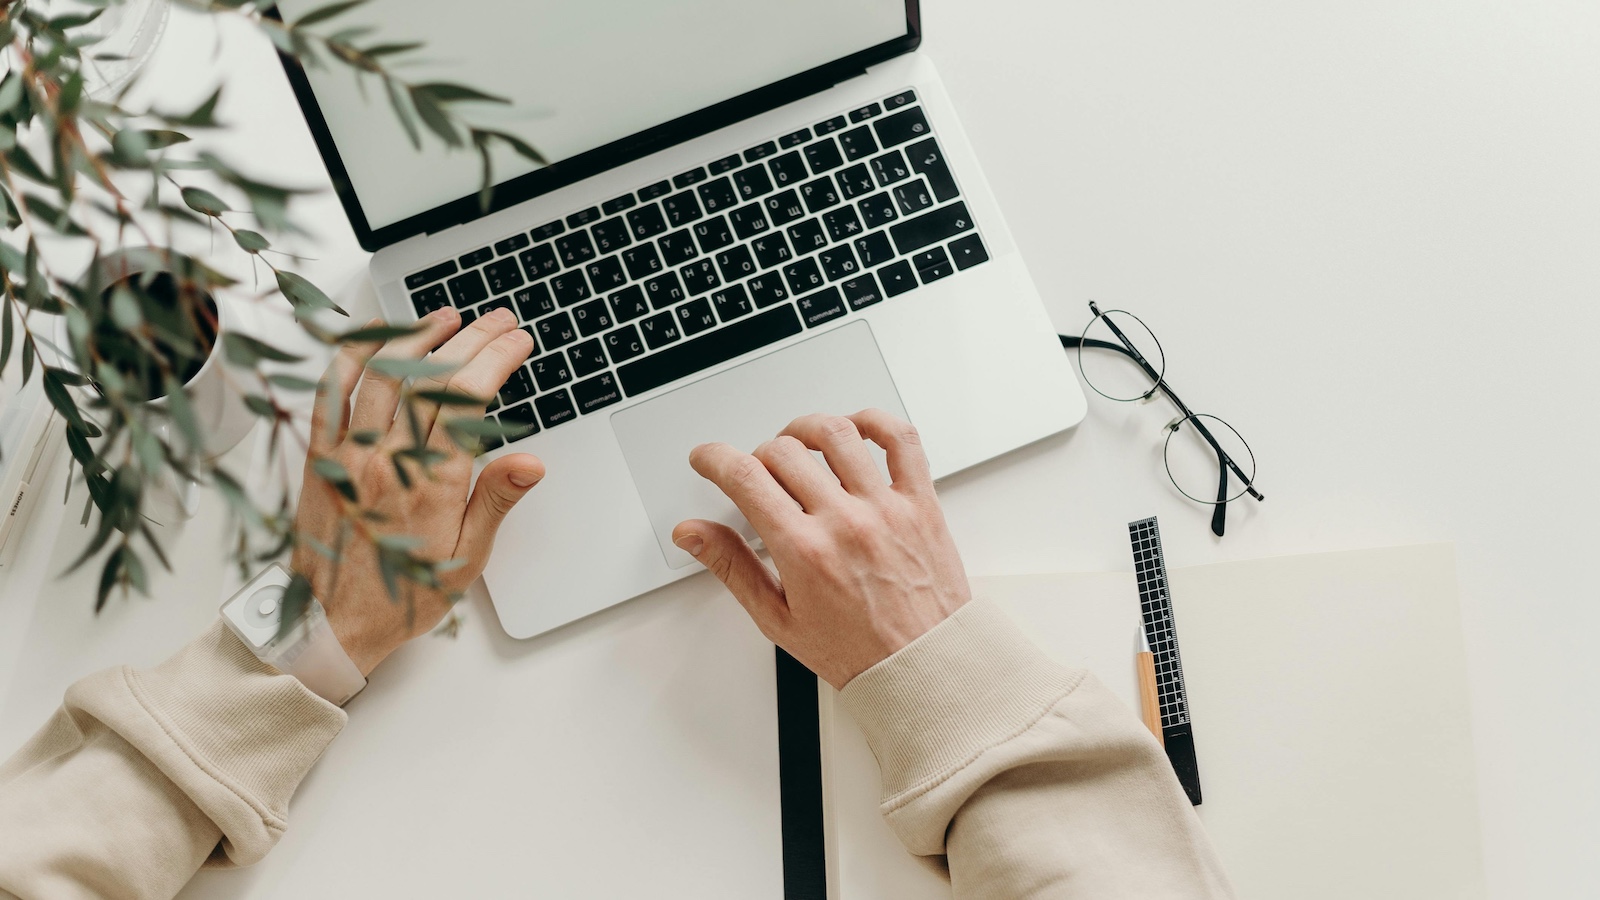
{"points": [[580, 74]]}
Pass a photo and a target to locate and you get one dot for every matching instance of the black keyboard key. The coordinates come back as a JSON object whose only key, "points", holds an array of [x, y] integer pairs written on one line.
{"points": [[629, 303], [695, 316], [646, 222], [587, 358], [934, 273], [555, 409], [838, 262], [511, 244], [534, 301], [550, 371], [861, 292], [497, 303], [843, 223], [598, 392], [476, 258], [725, 164], [897, 278], [660, 330], [802, 276], [936, 227], [807, 236], [820, 307], [819, 194], [678, 247], [612, 207], [783, 208], [858, 143], [555, 331], [699, 277], [898, 100], [592, 318], [735, 263], [878, 210], [761, 152], [681, 209], [718, 347], [968, 252], [693, 176], [788, 170], [890, 168], [575, 249], [517, 388], [655, 191], [584, 217], [468, 316], [865, 112], [429, 299], [468, 288], [914, 197], [569, 288], [767, 289], [928, 161], [624, 344], [713, 234], [606, 274], [431, 274], [547, 231], [642, 261], [522, 419], [533, 346], [718, 195], [874, 249], [731, 303], [795, 138], [503, 275], [927, 259], [856, 181], [611, 235], [752, 182], [824, 156], [487, 443], [830, 126], [664, 290], [771, 250], [539, 261], [748, 221], [901, 127]]}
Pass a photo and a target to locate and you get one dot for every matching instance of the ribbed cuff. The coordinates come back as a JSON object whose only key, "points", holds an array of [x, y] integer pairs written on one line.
{"points": [[972, 682]]}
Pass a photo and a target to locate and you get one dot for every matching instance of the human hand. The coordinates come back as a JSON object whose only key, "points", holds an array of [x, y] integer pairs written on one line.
{"points": [[864, 567], [436, 508]]}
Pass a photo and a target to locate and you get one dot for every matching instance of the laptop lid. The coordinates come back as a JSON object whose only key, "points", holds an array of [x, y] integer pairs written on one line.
{"points": [[592, 84]]}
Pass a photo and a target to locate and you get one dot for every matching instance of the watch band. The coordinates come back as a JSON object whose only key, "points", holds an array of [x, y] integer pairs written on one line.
{"points": [[307, 649]]}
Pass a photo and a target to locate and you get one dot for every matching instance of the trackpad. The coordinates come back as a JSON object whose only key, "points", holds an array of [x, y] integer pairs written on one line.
{"points": [[839, 372]]}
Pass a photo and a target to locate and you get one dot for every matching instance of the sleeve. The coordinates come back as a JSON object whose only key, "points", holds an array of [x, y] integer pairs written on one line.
{"points": [[1033, 778], [143, 776]]}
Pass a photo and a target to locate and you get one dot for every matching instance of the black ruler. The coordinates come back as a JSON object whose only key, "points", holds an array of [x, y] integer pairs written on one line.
{"points": [[1150, 570]]}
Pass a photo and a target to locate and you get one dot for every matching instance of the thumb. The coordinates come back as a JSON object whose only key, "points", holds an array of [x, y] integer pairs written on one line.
{"points": [[726, 554], [500, 485]]}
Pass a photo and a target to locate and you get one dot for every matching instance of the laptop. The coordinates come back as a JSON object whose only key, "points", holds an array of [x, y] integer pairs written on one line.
{"points": [[752, 210]]}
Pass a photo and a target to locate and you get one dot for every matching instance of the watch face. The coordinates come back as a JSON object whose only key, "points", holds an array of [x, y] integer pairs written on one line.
{"points": [[253, 612], [261, 608]]}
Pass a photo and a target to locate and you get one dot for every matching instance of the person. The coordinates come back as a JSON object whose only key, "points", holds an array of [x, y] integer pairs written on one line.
{"points": [[1030, 777]]}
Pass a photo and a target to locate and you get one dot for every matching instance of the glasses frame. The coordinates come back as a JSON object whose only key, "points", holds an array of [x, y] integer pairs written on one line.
{"points": [[1225, 463]]}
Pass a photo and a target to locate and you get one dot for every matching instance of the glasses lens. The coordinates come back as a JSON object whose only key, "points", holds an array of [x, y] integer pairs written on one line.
{"points": [[1195, 465], [1113, 373]]}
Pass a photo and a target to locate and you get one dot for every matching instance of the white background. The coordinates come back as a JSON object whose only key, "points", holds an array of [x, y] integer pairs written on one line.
{"points": [[1366, 233]]}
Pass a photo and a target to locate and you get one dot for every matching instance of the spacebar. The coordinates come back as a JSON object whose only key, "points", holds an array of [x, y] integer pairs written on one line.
{"points": [[719, 346]]}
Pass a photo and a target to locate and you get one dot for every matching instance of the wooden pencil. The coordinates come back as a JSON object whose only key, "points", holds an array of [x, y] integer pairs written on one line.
{"points": [[1149, 698]]}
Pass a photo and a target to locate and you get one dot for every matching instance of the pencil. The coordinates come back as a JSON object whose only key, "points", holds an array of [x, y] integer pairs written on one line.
{"points": [[1149, 699]]}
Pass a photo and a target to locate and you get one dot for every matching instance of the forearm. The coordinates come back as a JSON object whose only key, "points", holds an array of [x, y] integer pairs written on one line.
{"points": [[1033, 778]]}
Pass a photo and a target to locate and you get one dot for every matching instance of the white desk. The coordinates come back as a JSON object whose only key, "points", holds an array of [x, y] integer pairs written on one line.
{"points": [[1367, 234]]}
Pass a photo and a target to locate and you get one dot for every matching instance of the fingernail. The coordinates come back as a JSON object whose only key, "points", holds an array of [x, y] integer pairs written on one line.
{"points": [[523, 478], [504, 315], [691, 544]]}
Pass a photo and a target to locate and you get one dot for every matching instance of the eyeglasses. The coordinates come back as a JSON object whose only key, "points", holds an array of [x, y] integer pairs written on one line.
{"points": [[1201, 450]]}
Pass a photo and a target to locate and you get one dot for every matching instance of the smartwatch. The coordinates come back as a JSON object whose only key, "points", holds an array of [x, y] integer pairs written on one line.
{"points": [[308, 649]]}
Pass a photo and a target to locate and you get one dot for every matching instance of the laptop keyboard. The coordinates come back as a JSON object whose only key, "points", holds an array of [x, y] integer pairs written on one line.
{"points": [[686, 273]]}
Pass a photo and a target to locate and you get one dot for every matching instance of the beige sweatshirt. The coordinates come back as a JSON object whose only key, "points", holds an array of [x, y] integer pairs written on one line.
{"points": [[1032, 777]]}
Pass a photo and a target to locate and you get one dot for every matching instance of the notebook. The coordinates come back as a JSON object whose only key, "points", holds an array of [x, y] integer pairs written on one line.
{"points": [[1330, 712]]}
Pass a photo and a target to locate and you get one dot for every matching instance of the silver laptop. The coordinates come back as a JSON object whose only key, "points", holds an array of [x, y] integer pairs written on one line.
{"points": [[754, 209]]}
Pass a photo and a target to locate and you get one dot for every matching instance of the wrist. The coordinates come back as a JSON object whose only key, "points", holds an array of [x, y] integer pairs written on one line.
{"points": [[365, 649]]}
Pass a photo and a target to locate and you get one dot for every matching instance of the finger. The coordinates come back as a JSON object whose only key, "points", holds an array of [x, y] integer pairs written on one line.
{"points": [[749, 485], [457, 353], [902, 448], [793, 466], [330, 415], [500, 485], [379, 394], [481, 376], [726, 554], [841, 445]]}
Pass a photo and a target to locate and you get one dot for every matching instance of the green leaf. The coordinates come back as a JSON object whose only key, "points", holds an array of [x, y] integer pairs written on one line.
{"points": [[445, 92], [377, 333], [403, 111], [305, 295], [203, 201], [434, 116], [291, 382], [244, 350], [324, 13], [408, 368], [366, 437], [202, 116], [250, 241], [379, 50], [183, 414], [56, 392], [7, 334], [10, 92], [110, 575], [71, 94], [335, 474], [261, 406], [522, 148], [449, 398], [159, 139], [125, 309], [400, 543], [296, 597]]}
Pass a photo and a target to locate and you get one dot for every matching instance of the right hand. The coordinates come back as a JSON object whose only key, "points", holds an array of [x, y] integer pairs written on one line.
{"points": [[864, 567]]}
